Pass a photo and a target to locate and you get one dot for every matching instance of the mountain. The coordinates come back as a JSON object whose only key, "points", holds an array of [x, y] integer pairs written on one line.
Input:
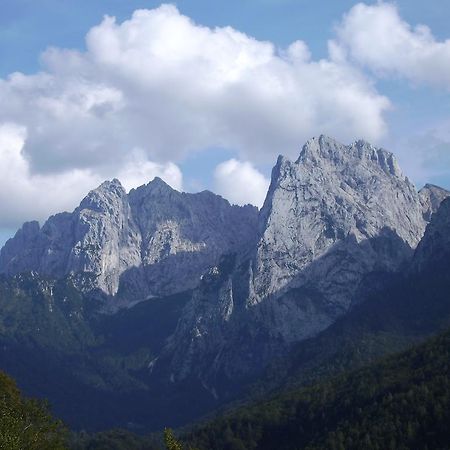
{"points": [[411, 306], [431, 197], [152, 241], [153, 307], [434, 249], [335, 225], [313, 396]]}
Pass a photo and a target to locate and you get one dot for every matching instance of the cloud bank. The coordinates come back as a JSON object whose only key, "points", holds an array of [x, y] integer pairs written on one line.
{"points": [[148, 91]]}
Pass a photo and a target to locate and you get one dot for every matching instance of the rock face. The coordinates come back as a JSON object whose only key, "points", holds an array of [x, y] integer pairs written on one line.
{"points": [[185, 234], [434, 248], [334, 194], [152, 241], [431, 197], [333, 224]]}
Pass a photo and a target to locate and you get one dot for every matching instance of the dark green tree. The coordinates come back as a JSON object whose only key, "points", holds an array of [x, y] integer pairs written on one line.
{"points": [[170, 441], [27, 424]]}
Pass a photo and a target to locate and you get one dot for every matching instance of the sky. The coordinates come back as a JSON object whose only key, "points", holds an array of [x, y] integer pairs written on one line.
{"points": [[206, 94]]}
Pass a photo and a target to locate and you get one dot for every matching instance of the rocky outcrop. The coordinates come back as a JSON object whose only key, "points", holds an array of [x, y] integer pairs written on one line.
{"points": [[434, 248], [431, 197], [185, 234], [333, 224], [334, 194], [153, 241]]}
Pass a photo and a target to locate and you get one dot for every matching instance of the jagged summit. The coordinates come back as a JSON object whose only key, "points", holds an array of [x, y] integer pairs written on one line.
{"points": [[431, 196], [157, 185], [331, 193], [316, 150], [333, 224], [158, 240], [152, 241]]}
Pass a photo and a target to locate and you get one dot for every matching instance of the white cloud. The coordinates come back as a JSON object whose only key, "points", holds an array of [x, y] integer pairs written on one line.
{"points": [[240, 183], [25, 196], [377, 37], [138, 171], [162, 84]]}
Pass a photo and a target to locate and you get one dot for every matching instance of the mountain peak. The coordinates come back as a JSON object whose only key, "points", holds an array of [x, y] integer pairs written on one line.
{"points": [[159, 182], [316, 149], [324, 148], [102, 197], [331, 192], [110, 185], [431, 197], [155, 187]]}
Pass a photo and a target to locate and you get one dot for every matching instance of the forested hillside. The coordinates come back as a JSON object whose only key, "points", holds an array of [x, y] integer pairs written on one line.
{"points": [[402, 402]]}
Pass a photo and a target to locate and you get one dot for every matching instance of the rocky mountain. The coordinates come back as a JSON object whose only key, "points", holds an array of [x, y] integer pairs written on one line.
{"points": [[222, 290], [434, 248], [334, 225], [152, 241], [431, 197]]}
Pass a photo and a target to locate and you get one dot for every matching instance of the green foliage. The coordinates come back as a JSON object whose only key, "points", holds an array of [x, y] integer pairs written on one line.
{"points": [[170, 441], [100, 362], [26, 424], [400, 403]]}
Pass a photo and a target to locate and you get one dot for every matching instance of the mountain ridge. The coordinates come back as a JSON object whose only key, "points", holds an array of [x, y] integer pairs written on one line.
{"points": [[335, 223], [113, 235], [240, 287]]}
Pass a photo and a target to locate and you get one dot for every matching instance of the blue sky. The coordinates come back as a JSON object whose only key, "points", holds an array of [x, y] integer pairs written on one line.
{"points": [[28, 27], [392, 99]]}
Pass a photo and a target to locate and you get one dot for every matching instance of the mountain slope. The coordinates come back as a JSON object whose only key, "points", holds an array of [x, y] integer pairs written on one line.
{"points": [[92, 367], [336, 224], [316, 285], [401, 402], [431, 197], [410, 307]]}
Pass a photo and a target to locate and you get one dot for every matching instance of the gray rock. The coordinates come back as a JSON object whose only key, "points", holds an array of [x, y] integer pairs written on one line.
{"points": [[153, 241], [435, 245], [185, 234], [332, 220], [431, 197], [334, 224]]}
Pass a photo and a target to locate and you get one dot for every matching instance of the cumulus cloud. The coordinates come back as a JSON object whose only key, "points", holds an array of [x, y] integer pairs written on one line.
{"points": [[240, 182], [162, 83], [157, 86], [138, 171], [377, 37], [25, 196]]}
